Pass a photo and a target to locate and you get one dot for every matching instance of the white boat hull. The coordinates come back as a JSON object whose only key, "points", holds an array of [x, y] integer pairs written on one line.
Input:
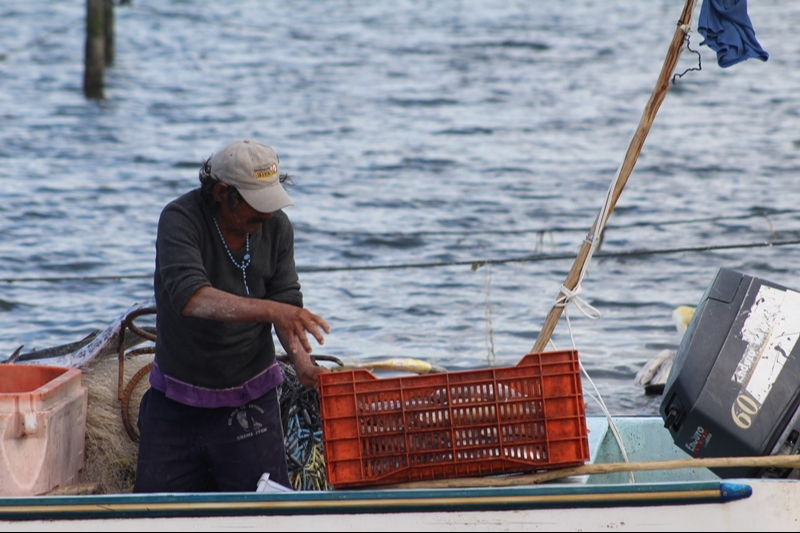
{"points": [[772, 507], [690, 499]]}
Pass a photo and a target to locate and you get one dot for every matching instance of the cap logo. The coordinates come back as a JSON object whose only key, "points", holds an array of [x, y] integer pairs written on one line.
{"points": [[267, 174]]}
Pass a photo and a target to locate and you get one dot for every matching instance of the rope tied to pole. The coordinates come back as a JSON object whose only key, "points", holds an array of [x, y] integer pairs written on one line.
{"points": [[580, 266], [688, 46], [573, 297], [591, 242]]}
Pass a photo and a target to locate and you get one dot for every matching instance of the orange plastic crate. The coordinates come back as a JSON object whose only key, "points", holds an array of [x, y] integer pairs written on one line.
{"points": [[456, 424]]}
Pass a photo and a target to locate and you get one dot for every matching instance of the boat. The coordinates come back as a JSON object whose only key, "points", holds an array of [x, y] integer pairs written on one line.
{"points": [[635, 478], [659, 497]]}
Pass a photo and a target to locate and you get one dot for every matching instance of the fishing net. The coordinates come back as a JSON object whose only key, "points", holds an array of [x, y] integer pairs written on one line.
{"points": [[302, 430], [110, 454]]}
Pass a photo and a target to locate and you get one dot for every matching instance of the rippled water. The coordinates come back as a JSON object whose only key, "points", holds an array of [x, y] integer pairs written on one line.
{"points": [[421, 135]]}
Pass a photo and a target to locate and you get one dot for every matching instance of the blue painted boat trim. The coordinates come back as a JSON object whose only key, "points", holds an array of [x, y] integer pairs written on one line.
{"points": [[369, 501], [734, 491]]}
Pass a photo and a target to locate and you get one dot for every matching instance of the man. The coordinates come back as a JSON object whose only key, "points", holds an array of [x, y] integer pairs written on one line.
{"points": [[224, 275]]}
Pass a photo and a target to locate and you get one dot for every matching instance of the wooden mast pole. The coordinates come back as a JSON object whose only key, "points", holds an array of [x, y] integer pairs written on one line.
{"points": [[631, 156]]}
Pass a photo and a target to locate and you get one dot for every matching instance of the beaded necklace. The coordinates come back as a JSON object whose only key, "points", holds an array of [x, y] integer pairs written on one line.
{"points": [[245, 260]]}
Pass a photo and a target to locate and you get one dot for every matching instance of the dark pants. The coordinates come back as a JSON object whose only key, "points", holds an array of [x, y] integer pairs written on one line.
{"points": [[192, 449]]}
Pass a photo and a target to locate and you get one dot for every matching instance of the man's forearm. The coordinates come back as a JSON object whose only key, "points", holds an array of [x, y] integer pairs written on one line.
{"points": [[214, 304], [292, 324]]}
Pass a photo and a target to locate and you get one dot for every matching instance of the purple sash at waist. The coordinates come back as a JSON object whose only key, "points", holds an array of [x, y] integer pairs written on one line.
{"points": [[196, 396]]}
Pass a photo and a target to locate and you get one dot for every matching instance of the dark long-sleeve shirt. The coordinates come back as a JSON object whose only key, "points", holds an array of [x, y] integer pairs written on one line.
{"points": [[190, 255]]}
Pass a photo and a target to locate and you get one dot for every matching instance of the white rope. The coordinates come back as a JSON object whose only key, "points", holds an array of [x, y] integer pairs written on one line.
{"points": [[568, 296], [597, 397], [573, 297], [489, 329], [611, 424]]}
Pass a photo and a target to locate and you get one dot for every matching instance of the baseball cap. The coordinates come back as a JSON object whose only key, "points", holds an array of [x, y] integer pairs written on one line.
{"points": [[251, 167]]}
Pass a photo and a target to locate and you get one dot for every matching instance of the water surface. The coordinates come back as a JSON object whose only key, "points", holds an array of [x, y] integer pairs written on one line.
{"points": [[421, 135]]}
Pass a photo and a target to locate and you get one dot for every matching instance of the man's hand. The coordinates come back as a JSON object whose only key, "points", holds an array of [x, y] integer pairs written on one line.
{"points": [[308, 375], [292, 325]]}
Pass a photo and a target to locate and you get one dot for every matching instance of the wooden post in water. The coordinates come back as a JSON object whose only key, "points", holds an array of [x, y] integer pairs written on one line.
{"points": [[108, 20], [95, 60]]}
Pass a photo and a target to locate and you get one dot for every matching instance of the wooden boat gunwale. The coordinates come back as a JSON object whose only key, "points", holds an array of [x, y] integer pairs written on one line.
{"points": [[371, 501], [644, 436]]}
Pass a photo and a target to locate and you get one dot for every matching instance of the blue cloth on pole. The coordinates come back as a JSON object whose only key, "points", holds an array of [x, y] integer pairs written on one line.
{"points": [[728, 31]]}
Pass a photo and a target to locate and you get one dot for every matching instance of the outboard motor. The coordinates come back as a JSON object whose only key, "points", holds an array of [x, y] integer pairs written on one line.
{"points": [[734, 388]]}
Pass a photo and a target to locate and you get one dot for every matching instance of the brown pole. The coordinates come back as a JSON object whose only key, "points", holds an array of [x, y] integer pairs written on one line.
{"points": [[95, 49], [108, 25], [769, 461], [631, 156]]}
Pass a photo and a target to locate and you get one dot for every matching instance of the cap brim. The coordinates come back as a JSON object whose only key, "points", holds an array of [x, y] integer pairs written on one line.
{"points": [[267, 200]]}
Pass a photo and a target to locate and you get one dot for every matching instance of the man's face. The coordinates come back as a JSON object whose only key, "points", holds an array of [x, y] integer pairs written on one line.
{"points": [[248, 217], [243, 217]]}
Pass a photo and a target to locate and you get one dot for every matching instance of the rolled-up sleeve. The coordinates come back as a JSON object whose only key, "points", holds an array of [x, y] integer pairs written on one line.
{"points": [[178, 248], [284, 285]]}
